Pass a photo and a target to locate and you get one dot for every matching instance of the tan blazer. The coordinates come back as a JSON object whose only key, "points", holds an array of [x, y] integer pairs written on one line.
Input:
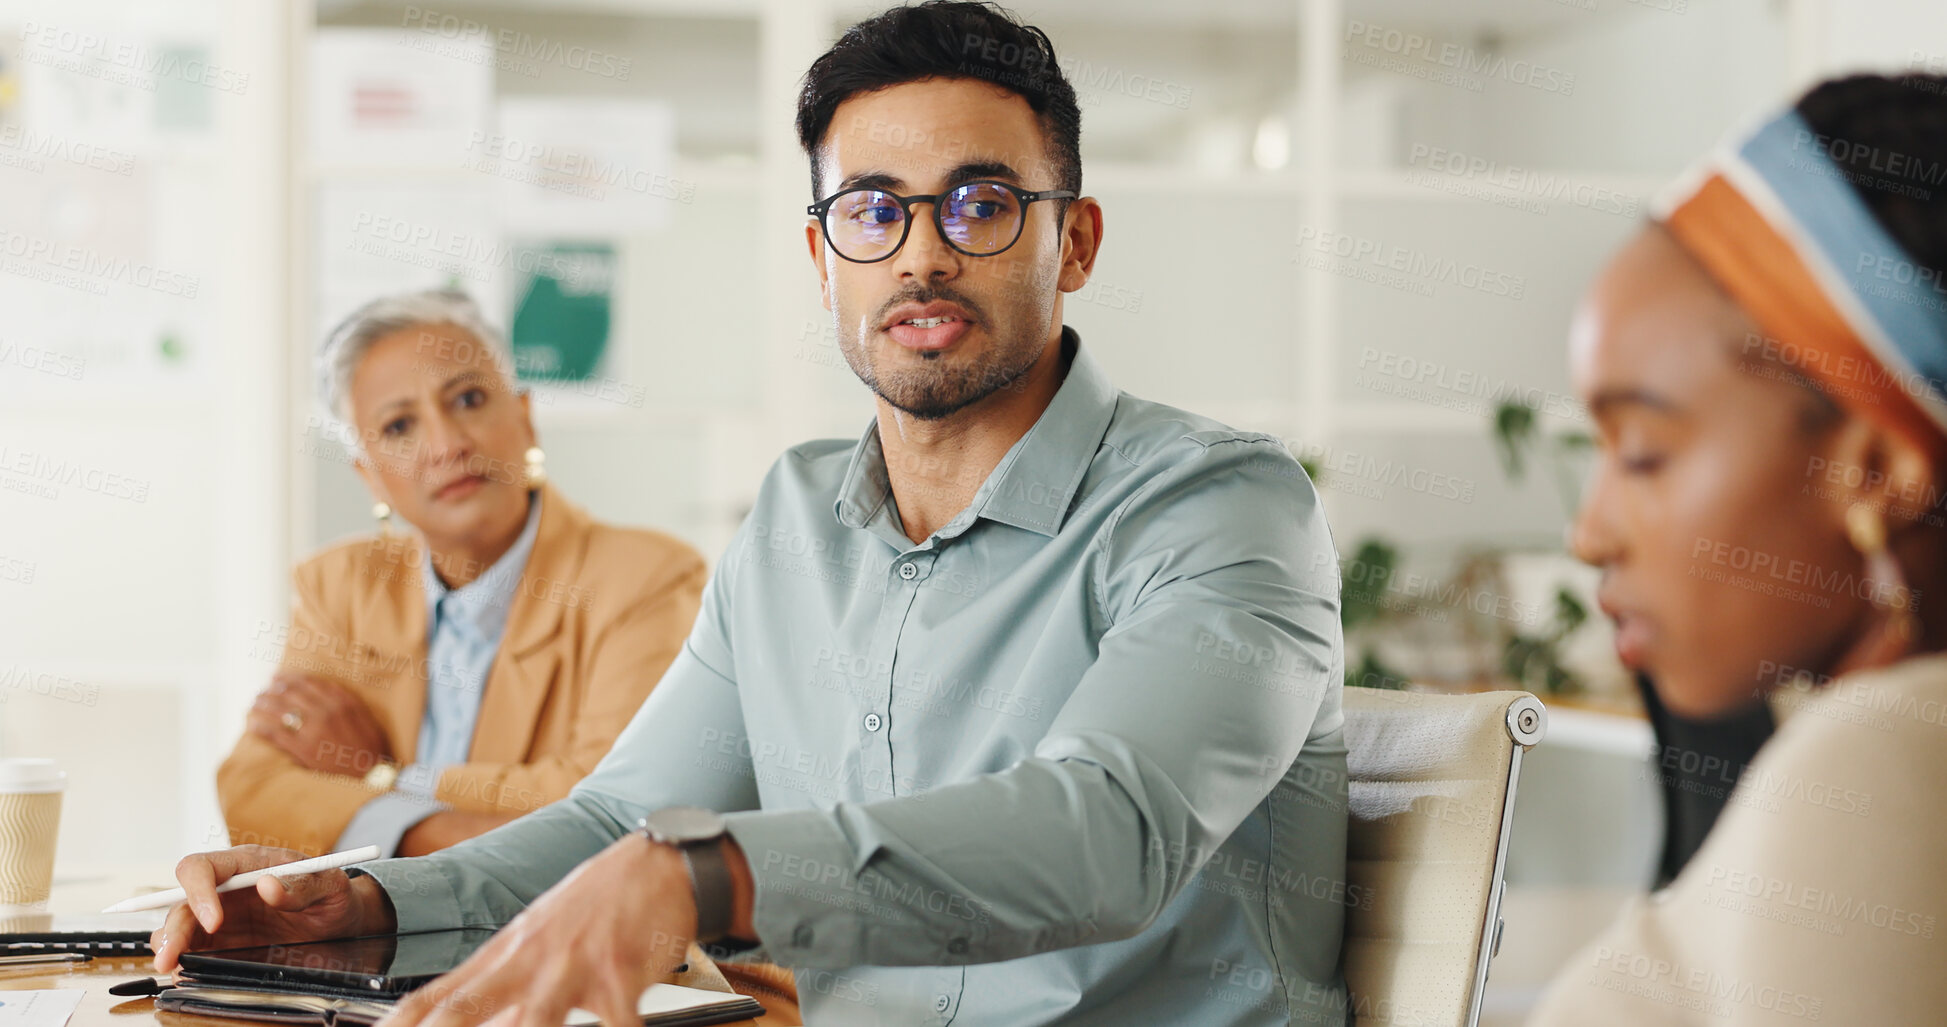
{"points": [[600, 614], [1820, 894]]}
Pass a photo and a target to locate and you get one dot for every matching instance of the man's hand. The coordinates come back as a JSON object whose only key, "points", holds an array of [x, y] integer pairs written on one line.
{"points": [[320, 723], [305, 907], [620, 923]]}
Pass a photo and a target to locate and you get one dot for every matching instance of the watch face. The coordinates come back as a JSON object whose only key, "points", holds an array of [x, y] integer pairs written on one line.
{"points": [[680, 824]]}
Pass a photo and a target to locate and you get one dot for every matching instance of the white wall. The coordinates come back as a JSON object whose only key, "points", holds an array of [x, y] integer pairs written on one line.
{"points": [[1882, 35], [141, 484], [151, 606]]}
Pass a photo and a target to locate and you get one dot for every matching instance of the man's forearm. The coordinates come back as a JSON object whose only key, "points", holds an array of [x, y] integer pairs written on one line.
{"points": [[1045, 855], [489, 879]]}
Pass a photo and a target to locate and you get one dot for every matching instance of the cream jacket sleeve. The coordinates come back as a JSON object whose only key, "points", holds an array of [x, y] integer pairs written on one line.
{"points": [[1818, 897]]}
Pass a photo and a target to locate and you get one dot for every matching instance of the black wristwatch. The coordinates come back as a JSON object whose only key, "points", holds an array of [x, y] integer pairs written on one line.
{"points": [[696, 833]]}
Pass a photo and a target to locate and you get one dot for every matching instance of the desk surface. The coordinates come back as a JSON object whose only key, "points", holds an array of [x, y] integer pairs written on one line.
{"points": [[83, 892], [100, 1009]]}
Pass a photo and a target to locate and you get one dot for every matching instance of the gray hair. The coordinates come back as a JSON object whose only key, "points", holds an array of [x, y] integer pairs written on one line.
{"points": [[346, 345]]}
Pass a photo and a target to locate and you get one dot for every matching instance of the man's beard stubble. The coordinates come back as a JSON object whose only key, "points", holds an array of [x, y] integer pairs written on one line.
{"points": [[943, 389]]}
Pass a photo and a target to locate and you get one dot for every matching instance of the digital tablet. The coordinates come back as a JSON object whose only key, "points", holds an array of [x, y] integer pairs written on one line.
{"points": [[385, 964]]}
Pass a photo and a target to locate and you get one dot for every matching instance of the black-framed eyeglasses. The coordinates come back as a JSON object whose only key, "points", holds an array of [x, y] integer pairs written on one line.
{"points": [[979, 219]]}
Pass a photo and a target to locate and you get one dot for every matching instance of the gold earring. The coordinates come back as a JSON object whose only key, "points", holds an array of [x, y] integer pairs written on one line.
{"points": [[383, 511], [537, 470], [1866, 530]]}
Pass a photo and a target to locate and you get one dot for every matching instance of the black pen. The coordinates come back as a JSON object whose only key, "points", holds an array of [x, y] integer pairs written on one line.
{"points": [[141, 986]]}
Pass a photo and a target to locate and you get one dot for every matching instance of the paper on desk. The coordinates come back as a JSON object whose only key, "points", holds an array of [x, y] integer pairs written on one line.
{"points": [[38, 1008], [659, 1000]]}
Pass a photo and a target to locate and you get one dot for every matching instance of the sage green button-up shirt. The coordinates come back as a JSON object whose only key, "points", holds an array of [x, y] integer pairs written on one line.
{"points": [[1076, 758]]}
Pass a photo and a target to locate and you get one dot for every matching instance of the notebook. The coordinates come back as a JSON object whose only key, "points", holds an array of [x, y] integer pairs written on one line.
{"points": [[663, 1005]]}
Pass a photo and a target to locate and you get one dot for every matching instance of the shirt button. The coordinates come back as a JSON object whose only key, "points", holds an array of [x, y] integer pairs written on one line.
{"points": [[801, 937], [873, 722], [957, 947], [908, 571], [940, 1004]]}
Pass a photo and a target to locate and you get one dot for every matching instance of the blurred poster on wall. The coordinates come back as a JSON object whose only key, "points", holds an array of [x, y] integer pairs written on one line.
{"points": [[398, 98], [184, 104], [582, 167], [562, 324], [100, 300], [71, 89], [9, 76]]}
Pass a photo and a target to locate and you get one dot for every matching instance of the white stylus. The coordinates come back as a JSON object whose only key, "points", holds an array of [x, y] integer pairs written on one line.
{"points": [[332, 861]]}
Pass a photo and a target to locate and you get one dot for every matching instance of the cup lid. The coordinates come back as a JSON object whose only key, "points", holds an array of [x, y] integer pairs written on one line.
{"points": [[31, 775]]}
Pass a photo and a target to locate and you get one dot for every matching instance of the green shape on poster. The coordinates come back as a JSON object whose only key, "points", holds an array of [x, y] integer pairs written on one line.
{"points": [[184, 86], [561, 321]]}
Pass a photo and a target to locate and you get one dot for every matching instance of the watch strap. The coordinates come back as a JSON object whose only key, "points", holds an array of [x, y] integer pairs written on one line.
{"points": [[698, 834], [710, 883]]}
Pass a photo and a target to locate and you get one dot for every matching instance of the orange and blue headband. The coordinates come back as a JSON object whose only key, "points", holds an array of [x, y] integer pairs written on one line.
{"points": [[1775, 221]]}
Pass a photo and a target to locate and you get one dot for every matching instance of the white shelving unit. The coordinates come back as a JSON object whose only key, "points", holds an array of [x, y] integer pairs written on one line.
{"points": [[1206, 242]]}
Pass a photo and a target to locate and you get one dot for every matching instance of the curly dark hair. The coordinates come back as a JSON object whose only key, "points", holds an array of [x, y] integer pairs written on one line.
{"points": [[1872, 117], [946, 39]]}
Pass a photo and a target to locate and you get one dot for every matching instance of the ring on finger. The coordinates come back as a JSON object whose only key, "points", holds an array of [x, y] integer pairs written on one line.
{"points": [[292, 720]]}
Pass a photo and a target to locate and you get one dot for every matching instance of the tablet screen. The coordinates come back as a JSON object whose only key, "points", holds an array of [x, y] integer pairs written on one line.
{"points": [[389, 963]]}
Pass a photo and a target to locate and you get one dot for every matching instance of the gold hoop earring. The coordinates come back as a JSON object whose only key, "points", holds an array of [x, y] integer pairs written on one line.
{"points": [[537, 470], [383, 512], [1866, 530]]}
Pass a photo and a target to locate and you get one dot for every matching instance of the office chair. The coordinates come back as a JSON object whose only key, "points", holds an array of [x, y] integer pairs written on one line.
{"points": [[1431, 782]]}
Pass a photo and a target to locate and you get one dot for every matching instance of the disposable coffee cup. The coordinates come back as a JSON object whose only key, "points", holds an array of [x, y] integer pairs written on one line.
{"points": [[30, 816]]}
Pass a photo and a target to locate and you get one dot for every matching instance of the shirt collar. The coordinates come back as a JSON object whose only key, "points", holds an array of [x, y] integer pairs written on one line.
{"points": [[481, 605], [1036, 481]]}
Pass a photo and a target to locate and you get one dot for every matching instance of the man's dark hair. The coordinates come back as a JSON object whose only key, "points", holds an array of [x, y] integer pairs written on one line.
{"points": [[947, 39], [1868, 115]]}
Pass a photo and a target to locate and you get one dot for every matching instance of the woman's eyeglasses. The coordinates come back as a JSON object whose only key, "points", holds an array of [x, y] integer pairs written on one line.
{"points": [[979, 219]]}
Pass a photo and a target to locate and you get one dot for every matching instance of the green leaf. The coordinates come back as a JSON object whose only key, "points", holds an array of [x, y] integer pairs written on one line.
{"points": [[1521, 651], [1361, 599], [1514, 431], [1569, 612], [1372, 673]]}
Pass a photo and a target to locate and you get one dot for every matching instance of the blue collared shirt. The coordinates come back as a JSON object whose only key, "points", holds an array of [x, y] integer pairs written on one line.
{"points": [[1076, 757], [463, 631]]}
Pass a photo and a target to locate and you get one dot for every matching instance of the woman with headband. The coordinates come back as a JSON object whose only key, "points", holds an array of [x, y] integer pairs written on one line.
{"points": [[1767, 367]]}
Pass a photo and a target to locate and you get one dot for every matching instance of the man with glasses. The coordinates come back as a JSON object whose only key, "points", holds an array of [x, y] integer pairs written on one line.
{"points": [[1023, 708]]}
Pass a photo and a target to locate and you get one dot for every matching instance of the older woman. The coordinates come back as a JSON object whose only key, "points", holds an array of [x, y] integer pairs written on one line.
{"points": [[1767, 366], [440, 682]]}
